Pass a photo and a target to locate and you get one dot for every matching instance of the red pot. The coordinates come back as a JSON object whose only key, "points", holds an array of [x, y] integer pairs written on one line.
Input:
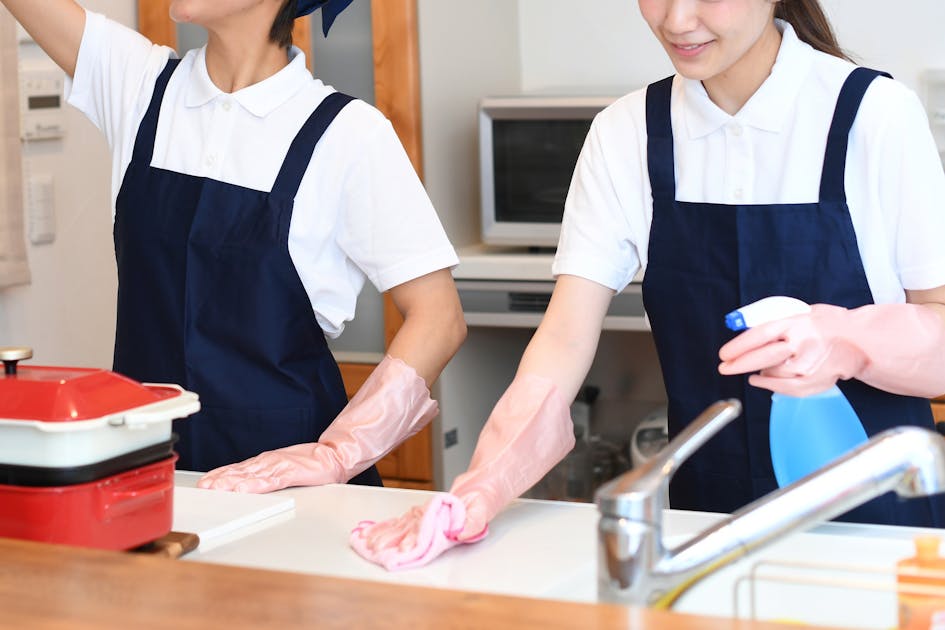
{"points": [[86, 455]]}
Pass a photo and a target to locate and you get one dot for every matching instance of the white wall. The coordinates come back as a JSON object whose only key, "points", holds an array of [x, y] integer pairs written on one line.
{"points": [[601, 46], [467, 50], [67, 314], [607, 43]]}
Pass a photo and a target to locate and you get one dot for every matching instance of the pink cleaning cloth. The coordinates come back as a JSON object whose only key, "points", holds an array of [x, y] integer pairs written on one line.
{"points": [[414, 539]]}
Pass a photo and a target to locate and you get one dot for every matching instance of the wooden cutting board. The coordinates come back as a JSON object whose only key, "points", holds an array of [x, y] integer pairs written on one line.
{"points": [[217, 516], [173, 545]]}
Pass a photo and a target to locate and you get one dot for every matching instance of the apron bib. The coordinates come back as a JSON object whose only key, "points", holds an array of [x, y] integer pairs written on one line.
{"points": [[706, 260], [208, 297]]}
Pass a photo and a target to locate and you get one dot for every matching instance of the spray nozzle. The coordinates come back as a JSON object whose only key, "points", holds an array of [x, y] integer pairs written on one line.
{"points": [[765, 310]]}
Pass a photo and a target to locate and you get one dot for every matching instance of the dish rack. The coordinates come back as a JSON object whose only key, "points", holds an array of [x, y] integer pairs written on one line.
{"points": [[835, 595]]}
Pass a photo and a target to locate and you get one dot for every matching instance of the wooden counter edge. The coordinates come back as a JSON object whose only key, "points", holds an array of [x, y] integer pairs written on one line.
{"points": [[50, 586]]}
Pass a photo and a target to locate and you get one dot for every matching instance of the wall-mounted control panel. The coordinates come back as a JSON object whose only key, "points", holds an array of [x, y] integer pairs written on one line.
{"points": [[41, 100]]}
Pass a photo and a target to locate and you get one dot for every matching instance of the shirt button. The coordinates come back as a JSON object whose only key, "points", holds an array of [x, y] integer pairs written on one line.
{"points": [[736, 129], [739, 193], [227, 106], [211, 160]]}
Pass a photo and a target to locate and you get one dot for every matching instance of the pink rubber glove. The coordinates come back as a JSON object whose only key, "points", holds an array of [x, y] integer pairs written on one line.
{"points": [[392, 405], [899, 348], [528, 432]]}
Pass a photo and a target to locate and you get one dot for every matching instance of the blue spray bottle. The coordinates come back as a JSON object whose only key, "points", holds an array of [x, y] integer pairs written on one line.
{"points": [[805, 433]]}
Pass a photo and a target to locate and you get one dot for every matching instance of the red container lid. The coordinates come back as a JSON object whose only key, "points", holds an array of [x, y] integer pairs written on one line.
{"points": [[56, 394]]}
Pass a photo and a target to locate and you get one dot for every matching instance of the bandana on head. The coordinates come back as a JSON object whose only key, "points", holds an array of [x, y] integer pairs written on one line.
{"points": [[330, 10]]}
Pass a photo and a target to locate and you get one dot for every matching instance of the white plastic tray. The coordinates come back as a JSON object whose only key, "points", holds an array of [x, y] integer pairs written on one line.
{"points": [[67, 444]]}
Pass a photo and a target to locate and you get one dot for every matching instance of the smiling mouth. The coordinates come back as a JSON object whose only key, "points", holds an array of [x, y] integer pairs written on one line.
{"points": [[689, 49]]}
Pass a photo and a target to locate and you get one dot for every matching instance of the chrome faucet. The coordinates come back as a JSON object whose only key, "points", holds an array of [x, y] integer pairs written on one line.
{"points": [[634, 566]]}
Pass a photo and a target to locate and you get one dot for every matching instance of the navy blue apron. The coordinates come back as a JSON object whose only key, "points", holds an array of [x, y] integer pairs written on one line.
{"points": [[706, 260], [208, 297]]}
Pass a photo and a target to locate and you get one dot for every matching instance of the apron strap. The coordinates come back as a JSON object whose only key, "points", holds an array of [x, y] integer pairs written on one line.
{"points": [[659, 140], [835, 158], [303, 146], [147, 130]]}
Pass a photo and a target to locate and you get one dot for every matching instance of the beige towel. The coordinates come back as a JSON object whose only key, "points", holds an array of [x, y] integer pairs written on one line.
{"points": [[14, 266]]}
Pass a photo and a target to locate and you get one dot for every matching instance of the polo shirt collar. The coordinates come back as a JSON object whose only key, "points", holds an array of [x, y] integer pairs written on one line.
{"points": [[259, 99], [770, 107]]}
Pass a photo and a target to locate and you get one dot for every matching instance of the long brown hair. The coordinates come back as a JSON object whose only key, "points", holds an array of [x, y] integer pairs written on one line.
{"points": [[811, 25]]}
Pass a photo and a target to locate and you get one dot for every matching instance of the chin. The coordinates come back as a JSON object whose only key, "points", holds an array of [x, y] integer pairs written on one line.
{"points": [[693, 73], [181, 11]]}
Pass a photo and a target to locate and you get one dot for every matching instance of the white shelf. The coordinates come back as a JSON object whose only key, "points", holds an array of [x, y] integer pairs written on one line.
{"points": [[504, 287], [483, 262]]}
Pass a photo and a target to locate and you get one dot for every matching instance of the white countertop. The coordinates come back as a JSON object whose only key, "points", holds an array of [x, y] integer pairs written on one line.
{"points": [[540, 549], [535, 548]]}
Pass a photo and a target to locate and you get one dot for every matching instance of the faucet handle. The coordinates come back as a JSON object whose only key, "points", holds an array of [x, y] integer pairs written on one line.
{"points": [[638, 494]]}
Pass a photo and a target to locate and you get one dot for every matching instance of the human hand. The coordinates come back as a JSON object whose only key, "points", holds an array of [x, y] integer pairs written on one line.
{"points": [[392, 404], [415, 538], [798, 356], [298, 465]]}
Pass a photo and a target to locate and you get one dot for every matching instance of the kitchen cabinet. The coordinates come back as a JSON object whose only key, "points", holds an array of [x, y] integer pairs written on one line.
{"points": [[938, 409], [397, 95]]}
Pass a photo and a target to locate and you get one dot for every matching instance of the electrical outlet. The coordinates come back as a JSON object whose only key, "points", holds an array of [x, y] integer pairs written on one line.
{"points": [[41, 216], [451, 438]]}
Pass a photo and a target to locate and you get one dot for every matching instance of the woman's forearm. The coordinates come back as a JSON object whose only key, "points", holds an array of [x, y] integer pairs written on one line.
{"points": [[433, 328], [565, 343]]}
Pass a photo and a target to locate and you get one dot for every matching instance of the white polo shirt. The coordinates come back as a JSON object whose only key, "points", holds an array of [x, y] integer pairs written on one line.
{"points": [[770, 152], [361, 211]]}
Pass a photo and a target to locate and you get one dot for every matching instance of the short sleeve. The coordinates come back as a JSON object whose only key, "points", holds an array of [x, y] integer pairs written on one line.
{"points": [[115, 71], [389, 228], [596, 240], [912, 193]]}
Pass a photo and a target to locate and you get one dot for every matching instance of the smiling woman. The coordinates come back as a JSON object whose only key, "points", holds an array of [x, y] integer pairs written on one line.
{"points": [[764, 166]]}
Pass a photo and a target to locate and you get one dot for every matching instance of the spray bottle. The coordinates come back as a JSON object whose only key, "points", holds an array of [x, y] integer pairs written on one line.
{"points": [[805, 433]]}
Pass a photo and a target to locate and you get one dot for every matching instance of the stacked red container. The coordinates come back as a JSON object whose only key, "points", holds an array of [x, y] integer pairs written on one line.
{"points": [[86, 455]]}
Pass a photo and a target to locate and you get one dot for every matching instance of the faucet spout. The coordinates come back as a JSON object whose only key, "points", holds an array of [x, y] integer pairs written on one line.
{"points": [[636, 568]]}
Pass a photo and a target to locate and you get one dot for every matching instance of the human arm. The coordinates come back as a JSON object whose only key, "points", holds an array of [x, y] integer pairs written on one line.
{"points": [[433, 327], [527, 433], [536, 405], [899, 348], [392, 405], [56, 25]]}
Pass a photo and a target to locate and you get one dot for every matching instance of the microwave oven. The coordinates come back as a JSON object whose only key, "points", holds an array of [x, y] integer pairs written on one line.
{"points": [[528, 147]]}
